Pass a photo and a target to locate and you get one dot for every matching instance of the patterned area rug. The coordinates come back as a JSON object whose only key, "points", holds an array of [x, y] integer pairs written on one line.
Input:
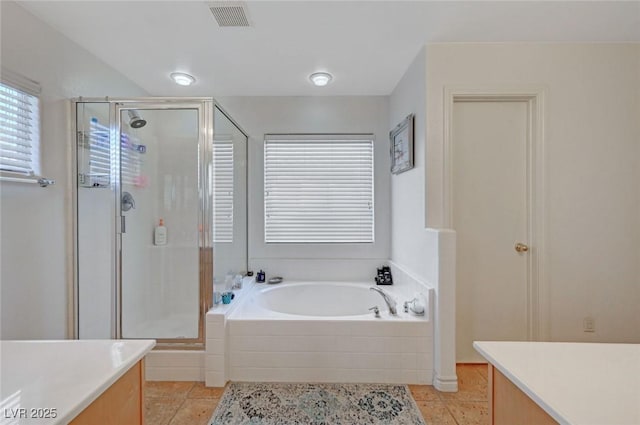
{"points": [[316, 404]]}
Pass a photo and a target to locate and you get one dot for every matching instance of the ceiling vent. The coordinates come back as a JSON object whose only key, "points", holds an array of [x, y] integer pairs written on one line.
{"points": [[230, 13]]}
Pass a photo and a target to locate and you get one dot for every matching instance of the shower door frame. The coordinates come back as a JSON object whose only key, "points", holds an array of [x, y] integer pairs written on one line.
{"points": [[205, 107]]}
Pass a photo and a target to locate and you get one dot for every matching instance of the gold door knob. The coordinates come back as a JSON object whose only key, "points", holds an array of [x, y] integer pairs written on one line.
{"points": [[520, 247]]}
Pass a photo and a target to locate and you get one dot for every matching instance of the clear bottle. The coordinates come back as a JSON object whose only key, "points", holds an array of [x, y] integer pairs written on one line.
{"points": [[160, 234], [237, 281], [228, 281]]}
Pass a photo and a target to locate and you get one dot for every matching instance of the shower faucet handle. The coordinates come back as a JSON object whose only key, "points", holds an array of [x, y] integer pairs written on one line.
{"points": [[376, 310], [127, 201]]}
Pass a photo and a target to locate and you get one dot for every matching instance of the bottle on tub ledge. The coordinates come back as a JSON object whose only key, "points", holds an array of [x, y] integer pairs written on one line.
{"points": [[160, 234], [384, 276], [260, 277], [228, 281], [248, 279]]}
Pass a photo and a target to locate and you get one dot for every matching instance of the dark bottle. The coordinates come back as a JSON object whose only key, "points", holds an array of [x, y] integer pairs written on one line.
{"points": [[384, 276]]}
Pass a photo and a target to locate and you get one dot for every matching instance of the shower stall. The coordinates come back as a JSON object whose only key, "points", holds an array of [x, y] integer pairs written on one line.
{"points": [[159, 214]]}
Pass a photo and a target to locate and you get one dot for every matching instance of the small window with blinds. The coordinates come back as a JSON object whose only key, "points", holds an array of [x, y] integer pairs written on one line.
{"points": [[222, 191], [318, 189], [19, 130]]}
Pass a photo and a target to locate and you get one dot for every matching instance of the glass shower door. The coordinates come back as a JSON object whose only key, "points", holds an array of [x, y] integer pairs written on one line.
{"points": [[160, 221], [229, 184], [95, 230]]}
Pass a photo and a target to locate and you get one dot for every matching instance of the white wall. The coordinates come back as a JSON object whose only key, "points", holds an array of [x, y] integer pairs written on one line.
{"points": [[35, 222], [411, 245], [592, 170], [347, 114], [427, 254]]}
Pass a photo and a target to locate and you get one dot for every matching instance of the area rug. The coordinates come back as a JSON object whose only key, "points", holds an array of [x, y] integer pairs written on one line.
{"points": [[316, 404]]}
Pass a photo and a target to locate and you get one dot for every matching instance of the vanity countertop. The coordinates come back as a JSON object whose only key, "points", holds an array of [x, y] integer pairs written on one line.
{"points": [[60, 378], [575, 383]]}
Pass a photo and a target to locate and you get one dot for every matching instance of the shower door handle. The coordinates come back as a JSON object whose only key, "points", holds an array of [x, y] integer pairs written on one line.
{"points": [[122, 225]]}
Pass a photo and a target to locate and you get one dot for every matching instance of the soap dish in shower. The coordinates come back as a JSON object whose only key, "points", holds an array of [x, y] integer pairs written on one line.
{"points": [[274, 280]]}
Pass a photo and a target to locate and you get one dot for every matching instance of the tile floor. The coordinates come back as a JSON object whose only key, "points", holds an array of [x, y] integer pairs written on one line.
{"points": [[182, 403], [469, 406]]}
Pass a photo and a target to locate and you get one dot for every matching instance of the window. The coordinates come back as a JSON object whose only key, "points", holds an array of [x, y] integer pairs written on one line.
{"points": [[222, 191], [19, 127], [318, 189]]}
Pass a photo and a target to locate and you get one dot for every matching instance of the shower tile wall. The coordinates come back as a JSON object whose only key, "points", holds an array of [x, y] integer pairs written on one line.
{"points": [[160, 284]]}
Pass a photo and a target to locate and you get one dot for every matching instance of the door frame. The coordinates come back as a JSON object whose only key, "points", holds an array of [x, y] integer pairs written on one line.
{"points": [[534, 97]]}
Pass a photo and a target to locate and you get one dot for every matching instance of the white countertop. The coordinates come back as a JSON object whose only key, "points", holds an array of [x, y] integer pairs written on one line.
{"points": [[575, 383], [63, 375]]}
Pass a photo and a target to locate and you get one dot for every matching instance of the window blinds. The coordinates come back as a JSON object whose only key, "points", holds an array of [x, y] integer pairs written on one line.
{"points": [[318, 189], [19, 131], [222, 191]]}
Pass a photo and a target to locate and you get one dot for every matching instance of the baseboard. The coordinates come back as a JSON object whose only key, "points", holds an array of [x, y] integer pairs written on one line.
{"points": [[445, 384]]}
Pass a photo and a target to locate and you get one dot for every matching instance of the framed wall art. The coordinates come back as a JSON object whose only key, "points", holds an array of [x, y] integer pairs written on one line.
{"points": [[401, 139]]}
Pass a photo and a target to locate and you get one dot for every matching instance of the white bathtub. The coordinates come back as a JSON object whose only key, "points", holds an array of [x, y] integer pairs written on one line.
{"points": [[333, 299], [324, 332]]}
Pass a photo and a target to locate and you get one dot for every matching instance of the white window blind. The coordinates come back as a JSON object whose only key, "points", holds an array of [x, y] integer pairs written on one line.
{"points": [[19, 131], [318, 189], [222, 191]]}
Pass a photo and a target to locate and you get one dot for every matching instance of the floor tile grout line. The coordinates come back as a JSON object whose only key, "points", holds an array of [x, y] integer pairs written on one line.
{"points": [[445, 403], [446, 406], [176, 412], [482, 377]]}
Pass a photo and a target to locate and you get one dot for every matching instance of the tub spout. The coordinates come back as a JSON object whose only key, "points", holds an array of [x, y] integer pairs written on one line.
{"points": [[391, 303]]}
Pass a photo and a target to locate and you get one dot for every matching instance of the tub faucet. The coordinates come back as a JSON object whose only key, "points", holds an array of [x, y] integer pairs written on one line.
{"points": [[391, 303]]}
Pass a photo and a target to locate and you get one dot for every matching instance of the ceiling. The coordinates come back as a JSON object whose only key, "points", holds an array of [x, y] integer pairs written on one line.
{"points": [[366, 45]]}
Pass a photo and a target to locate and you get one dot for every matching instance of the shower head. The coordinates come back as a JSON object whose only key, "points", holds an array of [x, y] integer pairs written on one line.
{"points": [[134, 119]]}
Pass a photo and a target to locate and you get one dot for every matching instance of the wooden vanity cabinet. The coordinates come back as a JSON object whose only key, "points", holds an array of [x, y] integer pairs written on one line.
{"points": [[121, 404], [508, 405]]}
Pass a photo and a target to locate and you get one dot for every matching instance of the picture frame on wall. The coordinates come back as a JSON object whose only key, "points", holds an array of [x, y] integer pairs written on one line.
{"points": [[401, 139]]}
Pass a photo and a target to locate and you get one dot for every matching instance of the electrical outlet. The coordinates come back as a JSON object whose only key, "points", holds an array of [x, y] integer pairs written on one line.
{"points": [[589, 324]]}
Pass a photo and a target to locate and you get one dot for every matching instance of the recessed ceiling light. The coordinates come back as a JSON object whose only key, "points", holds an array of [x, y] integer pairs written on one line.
{"points": [[182, 79], [321, 78]]}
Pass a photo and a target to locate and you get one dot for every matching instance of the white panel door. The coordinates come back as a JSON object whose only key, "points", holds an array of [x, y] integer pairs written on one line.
{"points": [[490, 215]]}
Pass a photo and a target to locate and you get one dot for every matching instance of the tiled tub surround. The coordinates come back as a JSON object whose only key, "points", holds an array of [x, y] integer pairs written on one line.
{"points": [[175, 365], [252, 342]]}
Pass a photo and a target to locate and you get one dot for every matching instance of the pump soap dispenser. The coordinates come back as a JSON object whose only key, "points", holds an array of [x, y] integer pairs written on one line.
{"points": [[160, 234]]}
